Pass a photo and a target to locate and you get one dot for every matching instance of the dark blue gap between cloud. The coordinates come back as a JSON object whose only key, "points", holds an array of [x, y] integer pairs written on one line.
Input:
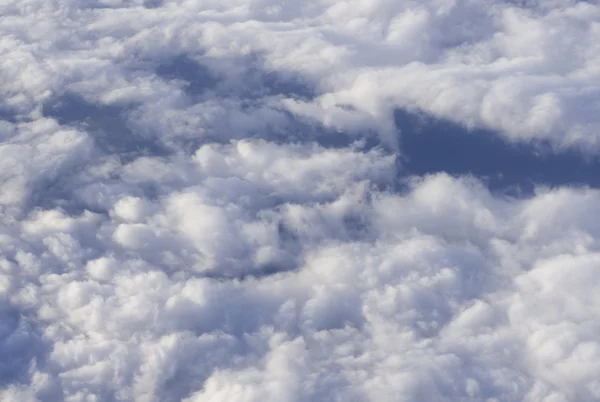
{"points": [[431, 145], [250, 83], [197, 77], [106, 123], [20, 344]]}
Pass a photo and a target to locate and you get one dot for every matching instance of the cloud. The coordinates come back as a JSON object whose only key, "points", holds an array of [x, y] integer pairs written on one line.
{"points": [[207, 200], [441, 302]]}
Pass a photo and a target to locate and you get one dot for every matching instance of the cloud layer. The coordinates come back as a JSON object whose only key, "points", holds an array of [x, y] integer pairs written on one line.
{"points": [[205, 201]]}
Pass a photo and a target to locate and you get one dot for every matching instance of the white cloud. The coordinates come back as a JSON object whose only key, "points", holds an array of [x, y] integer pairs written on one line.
{"points": [[191, 207]]}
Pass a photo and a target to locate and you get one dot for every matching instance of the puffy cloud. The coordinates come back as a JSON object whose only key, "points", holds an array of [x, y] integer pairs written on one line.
{"points": [[439, 295], [205, 201], [526, 69]]}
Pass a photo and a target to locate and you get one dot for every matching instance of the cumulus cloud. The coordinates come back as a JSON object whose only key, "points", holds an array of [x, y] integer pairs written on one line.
{"points": [[206, 201]]}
